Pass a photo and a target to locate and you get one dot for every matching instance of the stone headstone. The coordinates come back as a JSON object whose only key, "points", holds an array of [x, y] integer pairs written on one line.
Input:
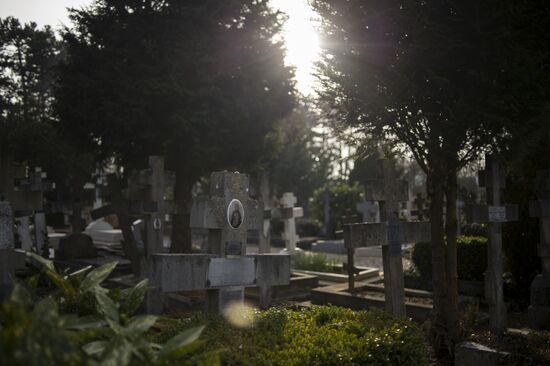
{"points": [[102, 232], [369, 211], [6, 248], [539, 309]]}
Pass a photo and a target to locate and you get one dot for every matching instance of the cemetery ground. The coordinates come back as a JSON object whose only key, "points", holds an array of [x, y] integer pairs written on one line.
{"points": [[324, 300], [291, 333]]}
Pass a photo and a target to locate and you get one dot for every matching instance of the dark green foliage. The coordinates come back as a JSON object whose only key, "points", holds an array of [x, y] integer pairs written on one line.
{"points": [[308, 227], [343, 199], [199, 81], [315, 336], [28, 56], [526, 349], [51, 331], [302, 161], [471, 256]]}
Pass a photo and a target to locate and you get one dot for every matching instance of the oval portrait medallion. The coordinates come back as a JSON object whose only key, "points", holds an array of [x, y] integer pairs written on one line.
{"points": [[235, 213]]}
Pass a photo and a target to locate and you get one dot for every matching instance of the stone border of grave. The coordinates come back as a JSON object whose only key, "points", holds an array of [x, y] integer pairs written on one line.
{"points": [[360, 300], [365, 273], [340, 296], [299, 288]]}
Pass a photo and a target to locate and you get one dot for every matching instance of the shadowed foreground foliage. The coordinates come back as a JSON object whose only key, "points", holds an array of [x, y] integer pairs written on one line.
{"points": [[80, 322]]}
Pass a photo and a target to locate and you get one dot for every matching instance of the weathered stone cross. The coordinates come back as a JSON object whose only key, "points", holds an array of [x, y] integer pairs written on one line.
{"points": [[493, 178], [225, 268], [421, 211], [146, 190], [539, 310], [26, 198], [369, 211], [289, 213], [389, 191], [7, 255]]}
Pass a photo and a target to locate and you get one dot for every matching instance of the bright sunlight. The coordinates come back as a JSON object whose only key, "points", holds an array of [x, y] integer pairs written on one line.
{"points": [[302, 42]]}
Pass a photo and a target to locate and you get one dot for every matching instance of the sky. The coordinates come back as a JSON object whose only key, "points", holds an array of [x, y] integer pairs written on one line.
{"points": [[299, 33]]}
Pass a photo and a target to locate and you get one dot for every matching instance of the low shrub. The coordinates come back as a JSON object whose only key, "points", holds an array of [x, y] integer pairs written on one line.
{"points": [[318, 262], [53, 331], [315, 336], [471, 258], [308, 227]]}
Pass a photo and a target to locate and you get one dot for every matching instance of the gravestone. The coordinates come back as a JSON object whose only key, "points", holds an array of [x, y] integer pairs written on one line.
{"points": [[24, 232], [102, 232], [539, 309], [145, 198], [369, 211], [224, 269], [289, 213], [421, 211], [494, 213], [25, 195], [6, 248], [385, 188]]}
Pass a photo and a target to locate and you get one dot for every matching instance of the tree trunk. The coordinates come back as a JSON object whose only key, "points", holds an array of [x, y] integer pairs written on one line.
{"points": [[181, 232], [452, 274], [435, 184]]}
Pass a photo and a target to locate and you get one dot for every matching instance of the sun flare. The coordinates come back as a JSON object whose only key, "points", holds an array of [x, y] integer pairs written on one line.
{"points": [[301, 40]]}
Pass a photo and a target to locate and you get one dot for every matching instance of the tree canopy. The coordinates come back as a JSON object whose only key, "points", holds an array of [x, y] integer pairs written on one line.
{"points": [[200, 81], [441, 78]]}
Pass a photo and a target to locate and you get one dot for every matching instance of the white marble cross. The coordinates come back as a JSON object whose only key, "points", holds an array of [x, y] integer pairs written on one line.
{"points": [[289, 213]]}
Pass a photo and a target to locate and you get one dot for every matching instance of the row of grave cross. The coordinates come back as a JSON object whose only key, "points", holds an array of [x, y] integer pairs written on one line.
{"points": [[25, 193], [387, 191], [391, 233]]}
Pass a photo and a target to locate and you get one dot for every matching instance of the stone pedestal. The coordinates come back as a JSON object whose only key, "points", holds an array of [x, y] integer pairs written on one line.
{"points": [[6, 248], [539, 310]]}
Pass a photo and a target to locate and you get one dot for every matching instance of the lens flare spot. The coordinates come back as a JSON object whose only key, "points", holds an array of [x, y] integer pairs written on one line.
{"points": [[240, 315]]}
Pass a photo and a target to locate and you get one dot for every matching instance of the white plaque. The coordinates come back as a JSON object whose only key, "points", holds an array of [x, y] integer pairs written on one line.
{"points": [[497, 214], [224, 272]]}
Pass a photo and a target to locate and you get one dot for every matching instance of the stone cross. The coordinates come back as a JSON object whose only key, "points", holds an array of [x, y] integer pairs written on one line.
{"points": [[539, 309], [148, 187], [6, 248], [385, 188], [493, 178], [369, 211], [289, 213], [145, 198], [421, 211], [228, 213], [26, 198]]}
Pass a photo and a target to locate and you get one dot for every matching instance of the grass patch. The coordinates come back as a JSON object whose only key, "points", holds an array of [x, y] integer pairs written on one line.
{"points": [[317, 262]]}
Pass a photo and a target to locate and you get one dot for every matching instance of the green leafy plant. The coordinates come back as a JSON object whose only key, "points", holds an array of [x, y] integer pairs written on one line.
{"points": [[321, 335], [53, 331]]}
